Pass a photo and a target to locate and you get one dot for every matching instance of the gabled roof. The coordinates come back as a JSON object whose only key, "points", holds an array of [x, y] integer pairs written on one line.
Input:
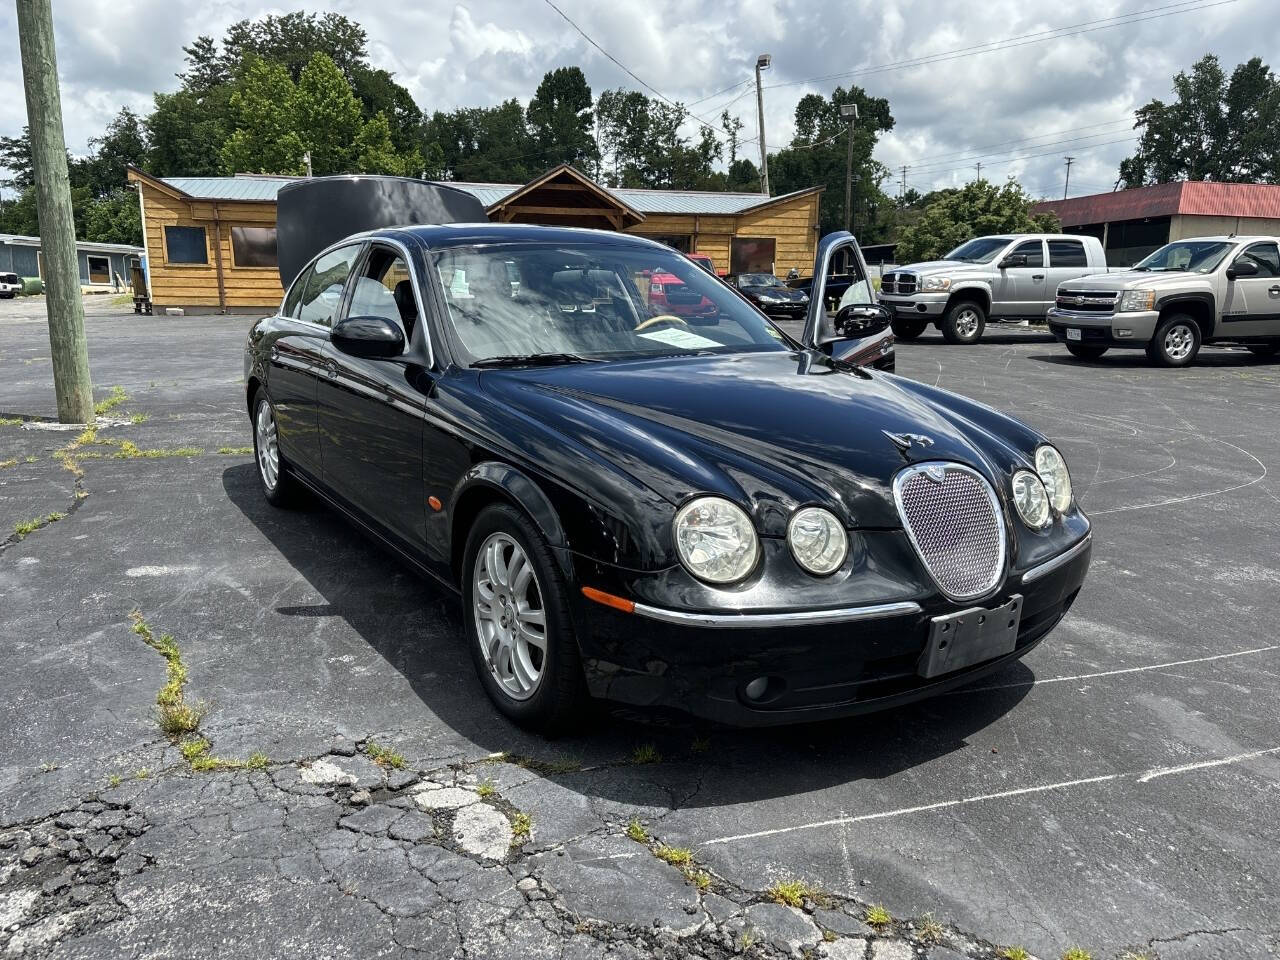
{"points": [[1192, 197], [615, 208]]}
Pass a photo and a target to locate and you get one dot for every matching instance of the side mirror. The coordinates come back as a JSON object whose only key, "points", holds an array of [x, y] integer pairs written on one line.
{"points": [[1242, 268], [862, 320], [1013, 260], [373, 338]]}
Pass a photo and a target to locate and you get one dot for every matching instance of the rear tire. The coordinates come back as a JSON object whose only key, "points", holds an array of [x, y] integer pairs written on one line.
{"points": [[278, 485], [909, 329], [1176, 342], [1084, 352], [1263, 350], [499, 632], [964, 322]]}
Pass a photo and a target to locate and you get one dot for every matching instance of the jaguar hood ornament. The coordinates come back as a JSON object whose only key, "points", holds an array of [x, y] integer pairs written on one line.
{"points": [[905, 441]]}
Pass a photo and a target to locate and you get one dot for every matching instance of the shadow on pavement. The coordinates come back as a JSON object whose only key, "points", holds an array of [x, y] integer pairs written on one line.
{"points": [[1128, 358], [796, 759]]}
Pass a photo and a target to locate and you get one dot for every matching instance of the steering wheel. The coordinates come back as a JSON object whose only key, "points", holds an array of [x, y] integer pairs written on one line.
{"points": [[661, 318]]}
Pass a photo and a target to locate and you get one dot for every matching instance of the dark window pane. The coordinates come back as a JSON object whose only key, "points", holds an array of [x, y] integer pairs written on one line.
{"points": [[1067, 253], [99, 270], [253, 246], [294, 298], [1034, 250], [1266, 257], [185, 245], [325, 286]]}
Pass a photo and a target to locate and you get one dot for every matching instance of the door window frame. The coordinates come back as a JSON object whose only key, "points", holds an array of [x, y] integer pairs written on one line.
{"points": [[1245, 252], [401, 251], [1030, 266], [1081, 252]]}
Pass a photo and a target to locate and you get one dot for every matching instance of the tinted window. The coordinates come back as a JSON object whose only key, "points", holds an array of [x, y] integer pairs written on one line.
{"points": [[185, 245], [1067, 253], [324, 287], [1034, 251], [384, 289], [294, 299], [981, 250], [253, 246], [1266, 256]]}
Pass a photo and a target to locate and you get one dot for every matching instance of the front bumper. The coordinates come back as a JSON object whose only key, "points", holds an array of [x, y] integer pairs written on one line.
{"points": [[924, 306], [1104, 329], [818, 663], [792, 310]]}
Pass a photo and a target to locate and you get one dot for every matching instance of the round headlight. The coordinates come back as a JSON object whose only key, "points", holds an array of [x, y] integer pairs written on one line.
{"points": [[1057, 481], [715, 540], [1031, 500], [817, 539]]}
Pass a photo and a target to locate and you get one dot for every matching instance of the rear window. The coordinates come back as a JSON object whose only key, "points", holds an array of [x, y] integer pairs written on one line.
{"points": [[1067, 253]]}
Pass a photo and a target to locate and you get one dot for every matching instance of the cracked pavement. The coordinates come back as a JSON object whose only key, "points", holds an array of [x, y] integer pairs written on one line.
{"points": [[1115, 791]]}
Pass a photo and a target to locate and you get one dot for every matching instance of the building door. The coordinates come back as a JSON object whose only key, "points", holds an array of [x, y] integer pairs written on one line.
{"points": [[751, 255]]}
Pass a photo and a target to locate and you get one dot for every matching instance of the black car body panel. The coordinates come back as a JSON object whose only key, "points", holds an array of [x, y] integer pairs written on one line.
{"points": [[600, 455]]}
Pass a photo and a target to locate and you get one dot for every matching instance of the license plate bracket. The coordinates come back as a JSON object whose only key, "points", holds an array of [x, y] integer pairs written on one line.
{"points": [[1073, 333], [968, 637]]}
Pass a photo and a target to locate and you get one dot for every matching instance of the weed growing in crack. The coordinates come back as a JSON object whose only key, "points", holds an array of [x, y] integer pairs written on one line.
{"points": [[747, 939], [646, 753], [48, 767], [546, 768], [138, 418], [1077, 953], [700, 745], [195, 748], [931, 931], [521, 827], [257, 761], [142, 773], [700, 879], [6, 464], [24, 529], [114, 780], [791, 893], [384, 757], [676, 856], [235, 451], [10, 421], [878, 917], [485, 789], [130, 451], [176, 717], [30, 458], [637, 832], [1013, 953], [112, 400]]}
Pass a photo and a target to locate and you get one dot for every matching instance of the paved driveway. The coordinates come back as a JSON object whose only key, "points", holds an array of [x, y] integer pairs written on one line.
{"points": [[356, 796]]}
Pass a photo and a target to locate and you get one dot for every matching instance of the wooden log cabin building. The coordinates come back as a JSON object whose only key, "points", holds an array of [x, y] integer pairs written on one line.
{"points": [[210, 241]]}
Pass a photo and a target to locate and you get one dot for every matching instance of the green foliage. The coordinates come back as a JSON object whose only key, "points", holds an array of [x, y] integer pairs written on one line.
{"points": [[1013, 953], [974, 210], [878, 917], [114, 218], [25, 528], [521, 827], [646, 753], [376, 153], [1215, 128], [263, 114], [637, 832], [384, 756], [641, 144], [482, 143], [676, 856], [1077, 953], [112, 400], [560, 120], [327, 115], [791, 893]]}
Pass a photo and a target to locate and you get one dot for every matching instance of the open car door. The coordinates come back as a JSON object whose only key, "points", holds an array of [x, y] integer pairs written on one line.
{"points": [[855, 327]]}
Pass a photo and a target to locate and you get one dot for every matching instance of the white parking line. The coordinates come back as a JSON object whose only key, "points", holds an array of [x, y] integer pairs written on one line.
{"points": [[1139, 777], [1112, 673]]}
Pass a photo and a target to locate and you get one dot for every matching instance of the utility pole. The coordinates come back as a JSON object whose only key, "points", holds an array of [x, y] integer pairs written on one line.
{"points": [[1070, 160], [849, 111], [905, 168], [762, 63], [70, 352], [979, 166], [306, 158]]}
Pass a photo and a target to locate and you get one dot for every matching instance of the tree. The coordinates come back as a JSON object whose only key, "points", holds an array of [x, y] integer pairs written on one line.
{"points": [[560, 120], [206, 69], [15, 156], [114, 218], [977, 209], [291, 40], [122, 144], [643, 145], [378, 92], [1215, 129], [484, 143], [375, 153], [327, 116], [264, 114], [187, 131], [817, 156]]}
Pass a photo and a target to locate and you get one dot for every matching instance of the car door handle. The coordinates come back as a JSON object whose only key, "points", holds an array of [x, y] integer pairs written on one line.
{"points": [[1037, 276], [1274, 291]]}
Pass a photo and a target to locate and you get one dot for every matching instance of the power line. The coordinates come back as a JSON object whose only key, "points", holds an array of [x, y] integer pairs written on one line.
{"points": [[954, 154], [1029, 146], [1032, 156], [1009, 43]]}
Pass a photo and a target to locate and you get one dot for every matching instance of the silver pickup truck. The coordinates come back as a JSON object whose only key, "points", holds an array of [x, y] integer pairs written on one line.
{"points": [[1009, 277], [1187, 293]]}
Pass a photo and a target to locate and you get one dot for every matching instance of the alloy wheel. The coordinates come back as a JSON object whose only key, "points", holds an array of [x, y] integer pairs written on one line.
{"points": [[966, 322], [268, 445], [511, 621], [1178, 341]]}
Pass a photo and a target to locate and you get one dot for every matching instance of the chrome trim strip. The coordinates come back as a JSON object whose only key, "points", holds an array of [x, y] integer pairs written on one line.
{"points": [[1036, 572], [797, 618]]}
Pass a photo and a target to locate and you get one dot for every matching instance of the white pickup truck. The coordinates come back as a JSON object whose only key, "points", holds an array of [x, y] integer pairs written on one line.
{"points": [[1007, 277]]}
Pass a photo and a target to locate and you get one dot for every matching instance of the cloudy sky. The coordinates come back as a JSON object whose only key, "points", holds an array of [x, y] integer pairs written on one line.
{"points": [[1017, 84]]}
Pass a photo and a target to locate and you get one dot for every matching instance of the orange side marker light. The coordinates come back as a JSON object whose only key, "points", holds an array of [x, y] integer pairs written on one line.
{"points": [[434, 503], [609, 600]]}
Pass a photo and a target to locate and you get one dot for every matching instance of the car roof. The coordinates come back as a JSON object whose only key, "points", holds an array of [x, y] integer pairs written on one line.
{"points": [[467, 234], [1221, 239]]}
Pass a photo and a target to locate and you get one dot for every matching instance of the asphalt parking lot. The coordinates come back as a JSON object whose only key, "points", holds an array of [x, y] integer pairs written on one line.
{"points": [[1115, 791]]}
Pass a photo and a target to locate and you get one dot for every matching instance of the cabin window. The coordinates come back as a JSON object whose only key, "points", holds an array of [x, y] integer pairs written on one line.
{"points": [[99, 269], [253, 247], [185, 245]]}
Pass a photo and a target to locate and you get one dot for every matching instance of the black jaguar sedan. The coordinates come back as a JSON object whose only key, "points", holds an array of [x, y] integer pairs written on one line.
{"points": [[773, 297], [700, 513]]}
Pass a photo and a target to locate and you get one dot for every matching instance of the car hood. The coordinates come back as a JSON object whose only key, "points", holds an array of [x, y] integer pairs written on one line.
{"points": [[771, 431], [782, 293], [1134, 280]]}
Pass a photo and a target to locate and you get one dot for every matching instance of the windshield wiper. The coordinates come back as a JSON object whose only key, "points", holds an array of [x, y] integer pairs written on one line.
{"points": [[533, 360]]}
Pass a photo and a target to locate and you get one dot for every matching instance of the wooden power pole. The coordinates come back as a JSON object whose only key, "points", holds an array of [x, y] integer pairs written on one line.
{"points": [[71, 380]]}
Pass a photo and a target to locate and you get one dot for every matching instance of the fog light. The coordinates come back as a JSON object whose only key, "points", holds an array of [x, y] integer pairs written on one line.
{"points": [[756, 688], [922, 308], [1122, 332]]}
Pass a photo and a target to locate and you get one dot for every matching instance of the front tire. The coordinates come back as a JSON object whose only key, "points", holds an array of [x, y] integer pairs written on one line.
{"points": [[277, 485], [1084, 352], [964, 322], [517, 621], [1176, 342], [909, 329]]}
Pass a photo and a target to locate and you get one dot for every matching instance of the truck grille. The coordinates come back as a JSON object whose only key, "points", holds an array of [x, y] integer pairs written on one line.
{"points": [[1087, 301], [898, 283], [955, 524]]}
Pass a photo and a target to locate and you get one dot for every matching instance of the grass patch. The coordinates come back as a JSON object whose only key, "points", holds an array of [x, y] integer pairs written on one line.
{"points": [[676, 856], [1077, 953], [257, 761], [646, 753], [142, 773], [114, 780], [235, 451], [384, 757], [130, 451], [878, 917], [30, 458], [10, 421], [521, 827], [637, 832], [791, 893], [931, 931], [6, 464], [138, 418], [700, 879], [25, 528], [112, 400], [485, 789], [1014, 953], [176, 717], [195, 748], [700, 745]]}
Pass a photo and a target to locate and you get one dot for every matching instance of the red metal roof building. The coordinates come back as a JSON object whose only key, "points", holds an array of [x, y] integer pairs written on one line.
{"points": [[1132, 223]]}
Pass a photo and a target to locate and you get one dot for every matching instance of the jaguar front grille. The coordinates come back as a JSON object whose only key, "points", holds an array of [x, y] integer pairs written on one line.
{"points": [[955, 523]]}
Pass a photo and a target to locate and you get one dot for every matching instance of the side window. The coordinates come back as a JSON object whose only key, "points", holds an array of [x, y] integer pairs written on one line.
{"points": [[1067, 253], [384, 289], [1034, 250], [323, 294], [1266, 256], [294, 298], [185, 245]]}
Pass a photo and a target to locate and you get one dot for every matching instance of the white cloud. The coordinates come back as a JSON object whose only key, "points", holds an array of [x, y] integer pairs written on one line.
{"points": [[480, 52]]}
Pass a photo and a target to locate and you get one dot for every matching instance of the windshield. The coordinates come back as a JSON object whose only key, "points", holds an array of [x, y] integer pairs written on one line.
{"points": [[1191, 256], [760, 280], [981, 250], [590, 301]]}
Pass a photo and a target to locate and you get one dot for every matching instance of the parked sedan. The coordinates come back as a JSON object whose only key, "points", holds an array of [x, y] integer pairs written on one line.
{"points": [[710, 516], [771, 295]]}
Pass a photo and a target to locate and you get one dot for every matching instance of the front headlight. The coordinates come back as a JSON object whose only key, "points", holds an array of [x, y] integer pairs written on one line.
{"points": [[817, 539], [1030, 499], [935, 283], [1133, 301], [1057, 481], [715, 540]]}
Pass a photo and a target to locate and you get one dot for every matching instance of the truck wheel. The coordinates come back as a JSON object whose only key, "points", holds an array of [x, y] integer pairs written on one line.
{"points": [[1176, 343], [1083, 351], [909, 329], [1263, 350], [964, 322]]}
